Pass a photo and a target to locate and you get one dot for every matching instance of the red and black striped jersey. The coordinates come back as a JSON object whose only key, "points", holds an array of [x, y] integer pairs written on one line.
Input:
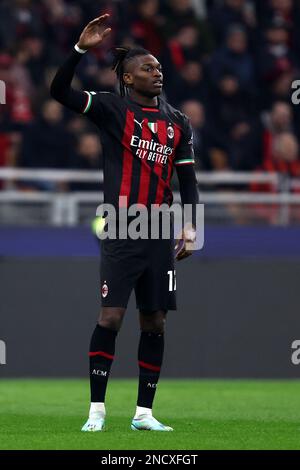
{"points": [[141, 144], [141, 147]]}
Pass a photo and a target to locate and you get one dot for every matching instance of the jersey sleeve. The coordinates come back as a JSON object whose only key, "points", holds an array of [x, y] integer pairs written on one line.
{"points": [[99, 106], [185, 152], [96, 105]]}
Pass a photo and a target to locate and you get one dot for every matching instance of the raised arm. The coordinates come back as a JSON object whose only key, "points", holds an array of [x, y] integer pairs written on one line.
{"points": [[61, 90]]}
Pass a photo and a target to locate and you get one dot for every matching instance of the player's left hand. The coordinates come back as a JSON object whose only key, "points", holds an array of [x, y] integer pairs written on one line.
{"points": [[184, 245]]}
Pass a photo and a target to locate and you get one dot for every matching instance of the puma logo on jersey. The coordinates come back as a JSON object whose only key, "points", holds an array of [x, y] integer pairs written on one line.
{"points": [[140, 123]]}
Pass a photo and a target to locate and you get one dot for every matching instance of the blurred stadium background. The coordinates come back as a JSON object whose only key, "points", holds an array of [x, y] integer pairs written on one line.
{"points": [[229, 65]]}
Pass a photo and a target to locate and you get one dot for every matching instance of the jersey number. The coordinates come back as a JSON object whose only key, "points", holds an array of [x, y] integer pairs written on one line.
{"points": [[172, 280]]}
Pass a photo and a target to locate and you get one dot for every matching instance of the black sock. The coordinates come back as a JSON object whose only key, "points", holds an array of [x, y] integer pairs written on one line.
{"points": [[102, 350], [150, 356]]}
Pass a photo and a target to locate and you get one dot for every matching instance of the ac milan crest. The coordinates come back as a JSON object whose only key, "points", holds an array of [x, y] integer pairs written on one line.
{"points": [[170, 132], [104, 289]]}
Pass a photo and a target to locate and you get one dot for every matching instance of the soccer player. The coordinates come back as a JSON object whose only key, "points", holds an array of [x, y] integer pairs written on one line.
{"points": [[143, 139]]}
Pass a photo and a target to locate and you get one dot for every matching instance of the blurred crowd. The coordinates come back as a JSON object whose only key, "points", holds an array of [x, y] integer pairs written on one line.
{"points": [[228, 64]]}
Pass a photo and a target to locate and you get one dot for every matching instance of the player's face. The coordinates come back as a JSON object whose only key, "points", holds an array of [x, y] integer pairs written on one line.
{"points": [[145, 76]]}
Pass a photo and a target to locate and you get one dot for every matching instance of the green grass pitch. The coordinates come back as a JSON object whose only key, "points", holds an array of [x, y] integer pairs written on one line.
{"points": [[206, 414]]}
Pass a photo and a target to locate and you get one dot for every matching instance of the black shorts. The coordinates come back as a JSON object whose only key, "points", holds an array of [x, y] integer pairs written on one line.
{"points": [[147, 266]]}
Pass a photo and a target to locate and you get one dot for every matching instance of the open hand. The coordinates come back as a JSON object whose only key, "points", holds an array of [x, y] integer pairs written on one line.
{"points": [[94, 33], [184, 245]]}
